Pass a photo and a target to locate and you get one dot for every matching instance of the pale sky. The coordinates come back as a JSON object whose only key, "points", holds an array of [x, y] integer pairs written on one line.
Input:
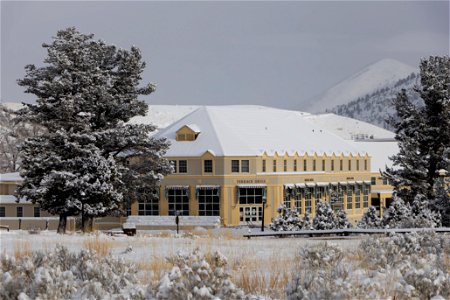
{"points": [[278, 54]]}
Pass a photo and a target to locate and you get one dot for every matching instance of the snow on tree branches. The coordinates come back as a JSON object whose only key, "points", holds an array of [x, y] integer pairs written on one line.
{"points": [[423, 133], [89, 161]]}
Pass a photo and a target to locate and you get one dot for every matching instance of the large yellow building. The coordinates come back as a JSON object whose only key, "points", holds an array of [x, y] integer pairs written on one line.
{"points": [[236, 161]]}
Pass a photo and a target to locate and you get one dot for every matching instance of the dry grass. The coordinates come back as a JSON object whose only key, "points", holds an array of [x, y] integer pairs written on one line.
{"points": [[267, 277], [101, 246], [22, 248], [153, 269]]}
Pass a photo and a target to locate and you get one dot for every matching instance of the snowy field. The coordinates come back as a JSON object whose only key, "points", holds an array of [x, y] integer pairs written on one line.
{"points": [[263, 265]]}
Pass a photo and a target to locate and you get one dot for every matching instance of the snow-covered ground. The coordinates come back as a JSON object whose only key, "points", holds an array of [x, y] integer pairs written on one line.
{"points": [[165, 243]]}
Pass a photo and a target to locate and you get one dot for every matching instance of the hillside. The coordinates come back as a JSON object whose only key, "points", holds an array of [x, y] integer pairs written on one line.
{"points": [[377, 76], [376, 107]]}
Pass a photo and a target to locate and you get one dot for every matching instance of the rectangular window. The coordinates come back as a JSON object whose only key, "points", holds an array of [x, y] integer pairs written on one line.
{"points": [[287, 198], [357, 196], [308, 197], [314, 164], [323, 164], [305, 166], [366, 189], [298, 200], [251, 195], [385, 181], [208, 202], [295, 165], [274, 165], [357, 165], [19, 211], [37, 212], [245, 166], [332, 165], [341, 194], [373, 180], [182, 166], [208, 166], [174, 165], [149, 203], [341, 165], [2, 212], [285, 165], [350, 197], [365, 165], [349, 164], [178, 200], [235, 166], [319, 192], [264, 165]]}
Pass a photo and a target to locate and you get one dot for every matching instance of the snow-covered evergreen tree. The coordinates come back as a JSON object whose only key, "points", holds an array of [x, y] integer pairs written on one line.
{"points": [[370, 219], [288, 220], [342, 221], [306, 224], [423, 133], [86, 92], [396, 214], [325, 217]]}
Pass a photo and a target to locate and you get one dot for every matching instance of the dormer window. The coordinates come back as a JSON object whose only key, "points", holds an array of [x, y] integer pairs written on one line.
{"points": [[188, 133]]}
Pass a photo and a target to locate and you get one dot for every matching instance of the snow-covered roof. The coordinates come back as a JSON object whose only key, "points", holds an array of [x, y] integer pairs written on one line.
{"points": [[350, 129], [248, 130], [163, 115], [10, 177], [379, 152], [10, 199]]}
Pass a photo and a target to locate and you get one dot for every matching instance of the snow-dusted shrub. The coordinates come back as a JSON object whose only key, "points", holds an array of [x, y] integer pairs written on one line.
{"points": [[404, 215], [421, 215], [369, 219], [342, 221], [195, 276], [289, 220], [325, 217], [409, 266], [396, 214], [321, 267], [306, 221], [61, 274]]}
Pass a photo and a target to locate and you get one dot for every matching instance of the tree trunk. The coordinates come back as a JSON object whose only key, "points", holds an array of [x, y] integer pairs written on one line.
{"points": [[62, 224], [87, 224]]}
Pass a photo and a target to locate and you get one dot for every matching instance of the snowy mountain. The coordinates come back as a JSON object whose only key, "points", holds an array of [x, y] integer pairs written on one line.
{"points": [[376, 107], [350, 129], [380, 75]]}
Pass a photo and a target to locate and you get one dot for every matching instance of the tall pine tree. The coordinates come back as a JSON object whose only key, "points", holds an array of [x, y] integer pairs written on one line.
{"points": [[423, 133], [90, 162]]}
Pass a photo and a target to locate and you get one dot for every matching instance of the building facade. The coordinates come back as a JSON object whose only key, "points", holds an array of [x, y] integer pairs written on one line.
{"points": [[237, 162]]}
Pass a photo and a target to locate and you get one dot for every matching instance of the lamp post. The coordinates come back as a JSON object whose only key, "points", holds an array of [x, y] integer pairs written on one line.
{"points": [[177, 220], [263, 208]]}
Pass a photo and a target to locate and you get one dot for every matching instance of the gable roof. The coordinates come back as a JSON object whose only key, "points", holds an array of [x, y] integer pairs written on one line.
{"points": [[248, 130]]}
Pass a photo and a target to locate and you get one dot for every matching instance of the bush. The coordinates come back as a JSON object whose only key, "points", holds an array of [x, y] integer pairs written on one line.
{"points": [[404, 215], [370, 219], [405, 266], [195, 276], [290, 220], [62, 275]]}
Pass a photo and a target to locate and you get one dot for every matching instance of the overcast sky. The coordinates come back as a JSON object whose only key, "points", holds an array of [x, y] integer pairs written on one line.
{"points": [[278, 54]]}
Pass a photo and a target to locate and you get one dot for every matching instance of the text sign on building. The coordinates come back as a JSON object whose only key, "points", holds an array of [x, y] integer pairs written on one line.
{"points": [[250, 181]]}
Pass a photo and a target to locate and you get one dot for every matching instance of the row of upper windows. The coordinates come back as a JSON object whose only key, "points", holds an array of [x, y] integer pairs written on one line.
{"points": [[181, 166], [19, 212], [317, 165], [243, 166], [385, 181]]}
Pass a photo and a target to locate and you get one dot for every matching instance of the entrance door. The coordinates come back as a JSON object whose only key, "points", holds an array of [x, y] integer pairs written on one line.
{"points": [[250, 214]]}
